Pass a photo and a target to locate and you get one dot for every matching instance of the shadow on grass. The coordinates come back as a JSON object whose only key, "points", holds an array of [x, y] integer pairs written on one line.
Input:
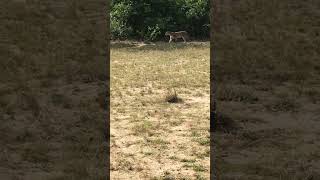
{"points": [[160, 46]]}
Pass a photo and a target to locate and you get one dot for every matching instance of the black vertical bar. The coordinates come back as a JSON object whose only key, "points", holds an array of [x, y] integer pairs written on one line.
{"points": [[213, 175], [108, 90]]}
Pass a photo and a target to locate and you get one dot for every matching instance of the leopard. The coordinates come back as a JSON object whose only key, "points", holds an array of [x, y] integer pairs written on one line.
{"points": [[176, 35]]}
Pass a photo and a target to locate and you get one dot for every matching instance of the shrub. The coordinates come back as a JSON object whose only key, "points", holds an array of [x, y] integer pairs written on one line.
{"points": [[149, 20]]}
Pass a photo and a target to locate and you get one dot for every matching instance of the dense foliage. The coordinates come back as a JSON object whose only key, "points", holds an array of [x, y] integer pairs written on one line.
{"points": [[150, 19]]}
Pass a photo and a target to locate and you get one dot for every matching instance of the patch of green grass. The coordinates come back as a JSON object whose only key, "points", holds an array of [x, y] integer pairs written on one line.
{"points": [[203, 141], [195, 133], [200, 177], [176, 122], [195, 167], [188, 160], [203, 155], [143, 128], [198, 168], [174, 158], [158, 141], [148, 153]]}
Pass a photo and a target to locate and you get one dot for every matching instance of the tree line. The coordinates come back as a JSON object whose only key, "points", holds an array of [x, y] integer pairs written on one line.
{"points": [[148, 20]]}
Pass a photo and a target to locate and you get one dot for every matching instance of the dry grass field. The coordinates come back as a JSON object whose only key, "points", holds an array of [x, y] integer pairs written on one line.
{"points": [[268, 90], [155, 132], [52, 91]]}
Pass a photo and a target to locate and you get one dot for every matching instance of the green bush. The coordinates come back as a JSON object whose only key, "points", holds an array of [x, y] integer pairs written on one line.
{"points": [[153, 33], [119, 15], [150, 19]]}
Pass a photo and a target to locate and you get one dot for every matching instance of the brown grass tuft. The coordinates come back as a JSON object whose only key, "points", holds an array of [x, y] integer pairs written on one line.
{"points": [[172, 97]]}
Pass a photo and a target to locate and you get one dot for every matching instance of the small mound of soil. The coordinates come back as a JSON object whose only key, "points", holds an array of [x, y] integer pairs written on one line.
{"points": [[173, 98]]}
